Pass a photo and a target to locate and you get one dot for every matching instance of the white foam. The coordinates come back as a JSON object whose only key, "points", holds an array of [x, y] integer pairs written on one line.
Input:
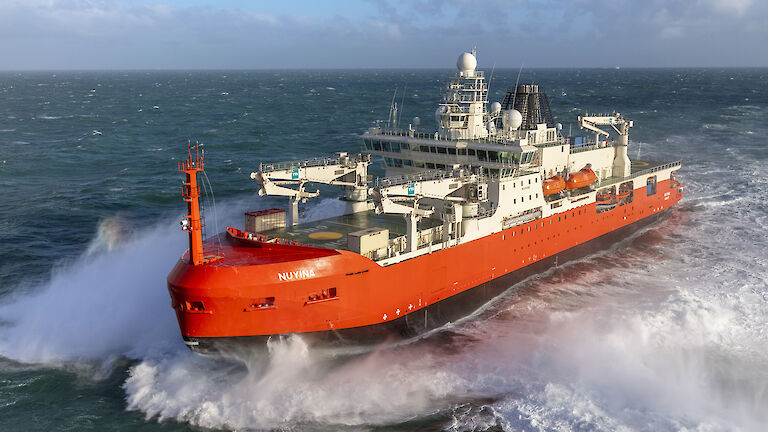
{"points": [[289, 387], [111, 301], [327, 207]]}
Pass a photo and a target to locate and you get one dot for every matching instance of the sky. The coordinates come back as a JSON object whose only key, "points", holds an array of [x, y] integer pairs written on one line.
{"points": [[321, 34]]}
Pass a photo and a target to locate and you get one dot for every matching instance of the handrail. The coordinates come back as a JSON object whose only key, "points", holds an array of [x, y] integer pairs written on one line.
{"points": [[655, 169], [423, 176], [313, 162]]}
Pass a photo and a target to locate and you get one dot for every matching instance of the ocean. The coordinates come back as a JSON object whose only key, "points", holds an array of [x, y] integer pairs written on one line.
{"points": [[666, 330]]}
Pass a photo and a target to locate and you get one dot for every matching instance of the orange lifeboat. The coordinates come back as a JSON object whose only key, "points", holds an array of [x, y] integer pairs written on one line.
{"points": [[553, 185], [604, 196], [579, 179], [624, 191]]}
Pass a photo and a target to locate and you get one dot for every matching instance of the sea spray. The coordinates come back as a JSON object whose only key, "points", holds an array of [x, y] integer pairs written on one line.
{"points": [[288, 385], [110, 301]]}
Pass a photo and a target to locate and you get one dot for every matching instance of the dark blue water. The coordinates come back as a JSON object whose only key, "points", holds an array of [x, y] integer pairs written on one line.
{"points": [[665, 331]]}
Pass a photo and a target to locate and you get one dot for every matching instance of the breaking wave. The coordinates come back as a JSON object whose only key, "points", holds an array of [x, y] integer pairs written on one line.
{"points": [[109, 302], [289, 386]]}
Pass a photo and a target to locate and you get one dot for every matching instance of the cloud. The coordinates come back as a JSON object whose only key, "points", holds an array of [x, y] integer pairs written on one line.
{"points": [[45, 34], [734, 7]]}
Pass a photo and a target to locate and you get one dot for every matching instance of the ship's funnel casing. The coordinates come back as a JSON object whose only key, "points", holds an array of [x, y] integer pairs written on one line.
{"points": [[533, 105]]}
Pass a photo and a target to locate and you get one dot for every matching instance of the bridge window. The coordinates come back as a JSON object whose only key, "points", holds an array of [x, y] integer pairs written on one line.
{"points": [[442, 150], [452, 151], [481, 155], [462, 152]]}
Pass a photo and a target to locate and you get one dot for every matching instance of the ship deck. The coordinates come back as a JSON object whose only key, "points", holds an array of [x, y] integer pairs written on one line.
{"points": [[332, 232], [637, 167]]}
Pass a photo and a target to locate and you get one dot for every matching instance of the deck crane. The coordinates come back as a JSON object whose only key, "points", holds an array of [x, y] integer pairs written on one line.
{"points": [[423, 195], [621, 164], [290, 179]]}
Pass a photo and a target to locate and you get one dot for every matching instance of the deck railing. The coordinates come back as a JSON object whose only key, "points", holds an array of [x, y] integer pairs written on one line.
{"points": [[313, 162]]}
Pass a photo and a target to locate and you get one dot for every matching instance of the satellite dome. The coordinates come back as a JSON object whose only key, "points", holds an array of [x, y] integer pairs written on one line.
{"points": [[512, 119], [516, 119], [495, 108], [559, 126], [416, 121], [466, 63]]}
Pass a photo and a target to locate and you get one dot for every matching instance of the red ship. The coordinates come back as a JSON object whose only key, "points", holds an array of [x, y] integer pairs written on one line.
{"points": [[492, 196]]}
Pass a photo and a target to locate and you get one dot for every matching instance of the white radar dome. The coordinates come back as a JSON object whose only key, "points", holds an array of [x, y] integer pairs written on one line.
{"points": [[512, 119], [495, 108], [466, 63], [416, 121], [559, 126]]}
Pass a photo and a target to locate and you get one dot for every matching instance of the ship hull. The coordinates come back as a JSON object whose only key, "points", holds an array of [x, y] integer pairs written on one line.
{"points": [[375, 304]]}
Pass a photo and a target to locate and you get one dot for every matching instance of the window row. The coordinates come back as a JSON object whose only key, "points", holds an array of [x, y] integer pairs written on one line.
{"points": [[482, 155]]}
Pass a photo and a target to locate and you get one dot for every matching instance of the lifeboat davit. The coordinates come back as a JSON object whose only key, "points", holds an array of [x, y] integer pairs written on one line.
{"points": [[553, 185], [581, 178]]}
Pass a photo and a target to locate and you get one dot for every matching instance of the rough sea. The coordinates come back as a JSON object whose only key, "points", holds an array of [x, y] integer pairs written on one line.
{"points": [[665, 331]]}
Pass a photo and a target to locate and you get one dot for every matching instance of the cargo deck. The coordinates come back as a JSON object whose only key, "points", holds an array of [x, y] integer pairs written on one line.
{"points": [[332, 232]]}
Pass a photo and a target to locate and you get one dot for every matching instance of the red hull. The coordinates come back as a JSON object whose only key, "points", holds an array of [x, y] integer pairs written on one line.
{"points": [[278, 289]]}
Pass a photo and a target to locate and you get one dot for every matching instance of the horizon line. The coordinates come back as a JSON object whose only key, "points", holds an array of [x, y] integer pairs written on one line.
{"points": [[293, 69]]}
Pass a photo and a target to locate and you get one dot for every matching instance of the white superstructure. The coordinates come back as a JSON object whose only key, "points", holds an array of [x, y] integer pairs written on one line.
{"points": [[482, 171]]}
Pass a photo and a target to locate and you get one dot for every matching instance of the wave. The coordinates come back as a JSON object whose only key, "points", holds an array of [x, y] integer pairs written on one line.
{"points": [[111, 301], [290, 386]]}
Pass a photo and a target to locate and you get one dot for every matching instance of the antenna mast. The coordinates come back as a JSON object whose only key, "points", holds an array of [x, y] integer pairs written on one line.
{"points": [[192, 222]]}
